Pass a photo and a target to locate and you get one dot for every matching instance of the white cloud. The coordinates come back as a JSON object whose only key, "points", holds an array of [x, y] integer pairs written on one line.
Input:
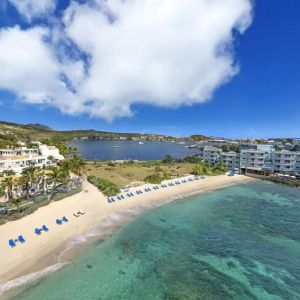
{"points": [[160, 52], [34, 8]]}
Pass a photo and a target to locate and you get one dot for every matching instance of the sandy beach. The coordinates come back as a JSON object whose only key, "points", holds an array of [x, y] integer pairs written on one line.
{"points": [[41, 251]]}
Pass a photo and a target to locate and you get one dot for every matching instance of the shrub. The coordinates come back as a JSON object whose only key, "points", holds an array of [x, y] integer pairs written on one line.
{"points": [[107, 187]]}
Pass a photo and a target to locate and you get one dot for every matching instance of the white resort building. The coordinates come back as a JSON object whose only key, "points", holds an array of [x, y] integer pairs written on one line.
{"points": [[18, 159], [231, 160], [286, 162], [210, 154]]}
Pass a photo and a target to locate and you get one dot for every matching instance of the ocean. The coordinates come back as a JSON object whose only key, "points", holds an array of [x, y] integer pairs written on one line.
{"points": [[131, 150], [241, 242]]}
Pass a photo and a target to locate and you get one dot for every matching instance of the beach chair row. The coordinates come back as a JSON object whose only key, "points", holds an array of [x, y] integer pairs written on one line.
{"points": [[38, 231], [156, 187]]}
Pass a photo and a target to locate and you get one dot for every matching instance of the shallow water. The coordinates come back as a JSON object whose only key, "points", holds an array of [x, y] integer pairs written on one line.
{"points": [[241, 242]]}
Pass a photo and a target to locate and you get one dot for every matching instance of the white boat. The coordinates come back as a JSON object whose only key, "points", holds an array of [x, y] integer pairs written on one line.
{"points": [[181, 143], [116, 146], [141, 143]]}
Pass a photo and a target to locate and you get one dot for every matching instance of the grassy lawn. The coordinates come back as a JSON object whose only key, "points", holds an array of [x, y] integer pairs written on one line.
{"points": [[123, 174]]}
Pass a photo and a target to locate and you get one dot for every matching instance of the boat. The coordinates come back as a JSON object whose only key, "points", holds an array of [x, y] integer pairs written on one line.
{"points": [[141, 143], [116, 146], [181, 143]]}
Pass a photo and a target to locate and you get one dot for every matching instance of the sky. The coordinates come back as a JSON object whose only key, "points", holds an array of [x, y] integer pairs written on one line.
{"points": [[221, 67]]}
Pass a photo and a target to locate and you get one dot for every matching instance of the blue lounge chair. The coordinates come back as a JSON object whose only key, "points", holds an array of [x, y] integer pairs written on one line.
{"points": [[45, 228], [108, 200], [58, 222], [65, 219], [122, 197], [21, 239], [37, 231], [11, 243]]}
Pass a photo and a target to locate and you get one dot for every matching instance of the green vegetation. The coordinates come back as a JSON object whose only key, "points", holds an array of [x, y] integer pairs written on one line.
{"points": [[228, 148], [156, 178], [123, 174], [209, 169], [107, 187]]}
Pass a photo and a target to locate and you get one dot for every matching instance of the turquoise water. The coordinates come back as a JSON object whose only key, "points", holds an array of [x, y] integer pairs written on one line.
{"points": [[242, 242]]}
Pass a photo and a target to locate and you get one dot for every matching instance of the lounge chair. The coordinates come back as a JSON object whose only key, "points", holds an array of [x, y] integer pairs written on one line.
{"points": [[58, 222], [45, 228], [37, 231], [77, 215], [122, 197], [11, 243], [131, 194], [81, 212], [21, 239], [108, 200], [65, 219]]}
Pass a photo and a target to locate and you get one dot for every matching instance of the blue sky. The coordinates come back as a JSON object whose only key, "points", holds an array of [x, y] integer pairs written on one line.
{"points": [[262, 100]]}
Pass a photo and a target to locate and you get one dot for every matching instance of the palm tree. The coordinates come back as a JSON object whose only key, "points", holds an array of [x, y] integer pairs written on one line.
{"points": [[198, 170], [52, 159], [8, 185], [23, 183], [17, 202], [9, 173], [31, 173], [2, 191], [55, 177], [43, 180], [77, 166]]}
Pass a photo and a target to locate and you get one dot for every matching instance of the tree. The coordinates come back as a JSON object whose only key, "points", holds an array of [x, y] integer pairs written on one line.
{"points": [[8, 185], [2, 191], [52, 159], [9, 173], [17, 202], [198, 170], [168, 159], [23, 183], [57, 176], [77, 165], [31, 174]]}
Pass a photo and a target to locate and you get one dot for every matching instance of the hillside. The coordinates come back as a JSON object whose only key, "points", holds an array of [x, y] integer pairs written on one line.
{"points": [[30, 132]]}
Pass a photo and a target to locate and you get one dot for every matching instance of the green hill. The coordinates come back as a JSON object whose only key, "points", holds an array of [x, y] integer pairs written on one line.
{"points": [[20, 132]]}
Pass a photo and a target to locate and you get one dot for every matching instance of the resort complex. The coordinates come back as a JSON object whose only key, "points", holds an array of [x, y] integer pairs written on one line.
{"points": [[272, 157], [17, 159]]}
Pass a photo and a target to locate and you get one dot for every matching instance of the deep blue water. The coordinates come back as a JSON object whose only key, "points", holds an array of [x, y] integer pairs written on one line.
{"points": [[131, 150], [242, 242]]}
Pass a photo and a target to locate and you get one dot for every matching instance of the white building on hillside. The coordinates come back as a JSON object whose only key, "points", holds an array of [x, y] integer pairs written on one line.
{"points": [[18, 159]]}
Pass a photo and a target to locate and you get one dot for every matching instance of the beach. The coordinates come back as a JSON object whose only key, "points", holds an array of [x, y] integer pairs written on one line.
{"points": [[41, 251]]}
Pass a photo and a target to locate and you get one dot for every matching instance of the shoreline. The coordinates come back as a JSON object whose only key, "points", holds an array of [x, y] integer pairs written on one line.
{"points": [[41, 255]]}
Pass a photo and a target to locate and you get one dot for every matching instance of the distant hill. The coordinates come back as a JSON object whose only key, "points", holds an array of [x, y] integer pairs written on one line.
{"points": [[11, 133], [39, 126], [41, 132]]}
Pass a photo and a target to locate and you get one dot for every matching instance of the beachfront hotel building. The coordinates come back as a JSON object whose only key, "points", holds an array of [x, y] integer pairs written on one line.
{"points": [[252, 159], [231, 160], [210, 154], [18, 159], [286, 162]]}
